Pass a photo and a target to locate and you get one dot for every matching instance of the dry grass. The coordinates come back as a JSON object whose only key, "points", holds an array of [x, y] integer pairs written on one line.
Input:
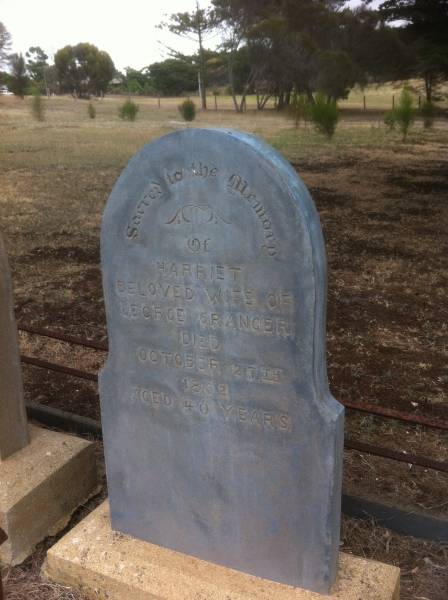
{"points": [[424, 565], [384, 214]]}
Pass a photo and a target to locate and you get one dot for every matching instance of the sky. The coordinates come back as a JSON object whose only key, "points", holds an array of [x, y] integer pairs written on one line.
{"points": [[126, 29]]}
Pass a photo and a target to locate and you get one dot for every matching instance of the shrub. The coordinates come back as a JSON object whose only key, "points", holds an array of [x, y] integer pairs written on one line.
{"points": [[128, 110], [299, 109], [37, 106], [91, 110], [389, 120], [403, 115], [324, 114], [188, 110], [428, 112]]}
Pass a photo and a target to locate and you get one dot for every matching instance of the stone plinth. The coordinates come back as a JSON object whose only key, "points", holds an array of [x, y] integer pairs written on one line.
{"points": [[105, 564], [40, 487]]}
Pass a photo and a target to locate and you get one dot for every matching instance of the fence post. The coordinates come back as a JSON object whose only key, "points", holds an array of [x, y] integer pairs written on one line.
{"points": [[158, 100], [393, 102], [419, 102], [216, 101], [3, 538], [364, 100]]}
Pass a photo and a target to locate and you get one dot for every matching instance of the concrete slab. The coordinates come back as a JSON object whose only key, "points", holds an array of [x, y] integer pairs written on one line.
{"points": [[41, 485], [104, 564]]}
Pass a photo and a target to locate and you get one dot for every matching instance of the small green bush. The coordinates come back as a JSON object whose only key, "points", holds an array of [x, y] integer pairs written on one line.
{"points": [[299, 108], [128, 110], [188, 110], [403, 114], [91, 110], [428, 112], [389, 120], [324, 113], [37, 106]]}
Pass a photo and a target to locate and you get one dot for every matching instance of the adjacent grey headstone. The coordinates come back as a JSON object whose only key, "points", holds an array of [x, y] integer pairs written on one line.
{"points": [[13, 423], [222, 439]]}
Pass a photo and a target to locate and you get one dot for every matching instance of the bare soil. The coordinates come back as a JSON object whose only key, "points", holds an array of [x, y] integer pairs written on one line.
{"points": [[384, 212]]}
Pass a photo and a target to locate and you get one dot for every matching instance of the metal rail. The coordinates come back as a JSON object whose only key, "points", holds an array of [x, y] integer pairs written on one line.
{"points": [[411, 459], [379, 411], [56, 335], [391, 413], [43, 364]]}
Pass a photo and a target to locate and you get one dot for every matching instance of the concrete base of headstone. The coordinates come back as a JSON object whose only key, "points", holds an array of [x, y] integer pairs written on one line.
{"points": [[104, 564], [40, 488]]}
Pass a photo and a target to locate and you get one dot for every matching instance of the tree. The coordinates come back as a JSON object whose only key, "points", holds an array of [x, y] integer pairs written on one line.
{"points": [[5, 44], [137, 82], [377, 50], [286, 40], [37, 66], [425, 28], [335, 74], [194, 25], [83, 69], [172, 76], [18, 79]]}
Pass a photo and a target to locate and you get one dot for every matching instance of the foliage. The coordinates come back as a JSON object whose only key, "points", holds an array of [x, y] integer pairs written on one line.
{"points": [[37, 65], [37, 106], [137, 81], [5, 44], [188, 110], [91, 110], [83, 69], [307, 45], [389, 120], [335, 74], [424, 26], [299, 108], [324, 113], [196, 24], [172, 77], [128, 110], [403, 115], [18, 79], [428, 112]]}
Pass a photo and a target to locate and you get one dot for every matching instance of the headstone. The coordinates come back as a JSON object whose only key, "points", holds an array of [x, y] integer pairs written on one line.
{"points": [[13, 424], [222, 439]]}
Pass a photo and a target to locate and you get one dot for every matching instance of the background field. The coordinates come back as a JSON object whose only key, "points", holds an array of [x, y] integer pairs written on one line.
{"points": [[384, 211]]}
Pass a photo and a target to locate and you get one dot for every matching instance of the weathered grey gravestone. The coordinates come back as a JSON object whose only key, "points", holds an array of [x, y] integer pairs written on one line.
{"points": [[13, 424], [222, 439]]}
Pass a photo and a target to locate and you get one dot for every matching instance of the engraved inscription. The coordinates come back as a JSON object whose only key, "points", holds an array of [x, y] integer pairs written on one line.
{"points": [[198, 246], [237, 184], [259, 418], [197, 214], [197, 169], [154, 192]]}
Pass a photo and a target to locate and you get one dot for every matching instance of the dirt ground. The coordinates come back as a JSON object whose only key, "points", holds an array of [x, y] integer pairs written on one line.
{"points": [[384, 211]]}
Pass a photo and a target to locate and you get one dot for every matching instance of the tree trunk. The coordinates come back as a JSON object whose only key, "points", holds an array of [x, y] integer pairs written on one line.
{"points": [[281, 101], [232, 85], [428, 86], [202, 73]]}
